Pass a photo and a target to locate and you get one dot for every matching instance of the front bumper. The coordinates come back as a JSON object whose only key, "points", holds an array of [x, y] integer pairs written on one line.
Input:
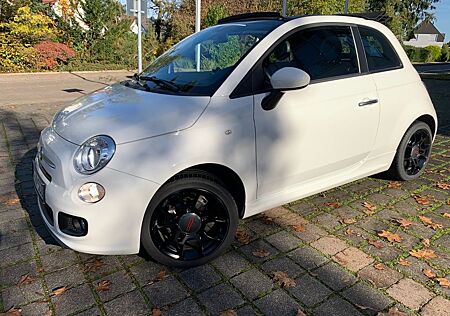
{"points": [[114, 223]]}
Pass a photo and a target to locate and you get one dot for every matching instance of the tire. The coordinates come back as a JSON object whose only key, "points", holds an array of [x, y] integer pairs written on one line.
{"points": [[402, 168], [181, 230]]}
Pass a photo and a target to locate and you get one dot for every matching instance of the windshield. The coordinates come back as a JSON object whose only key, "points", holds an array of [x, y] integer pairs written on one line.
{"points": [[199, 64]]}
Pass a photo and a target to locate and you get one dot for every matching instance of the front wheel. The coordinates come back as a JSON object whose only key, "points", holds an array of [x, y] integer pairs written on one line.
{"points": [[190, 221], [412, 154]]}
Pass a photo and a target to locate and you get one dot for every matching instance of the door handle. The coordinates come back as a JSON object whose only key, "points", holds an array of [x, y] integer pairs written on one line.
{"points": [[368, 102]]}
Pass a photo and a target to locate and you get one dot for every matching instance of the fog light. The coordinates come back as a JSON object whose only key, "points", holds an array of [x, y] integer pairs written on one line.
{"points": [[91, 192]]}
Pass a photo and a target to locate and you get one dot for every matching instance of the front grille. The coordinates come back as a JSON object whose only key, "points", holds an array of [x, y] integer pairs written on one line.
{"points": [[72, 225], [46, 174], [48, 212]]}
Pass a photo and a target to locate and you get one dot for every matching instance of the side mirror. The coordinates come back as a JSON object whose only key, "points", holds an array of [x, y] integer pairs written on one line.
{"points": [[289, 78]]}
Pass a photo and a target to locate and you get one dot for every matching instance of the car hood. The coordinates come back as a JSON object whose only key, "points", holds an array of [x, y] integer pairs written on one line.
{"points": [[127, 114]]}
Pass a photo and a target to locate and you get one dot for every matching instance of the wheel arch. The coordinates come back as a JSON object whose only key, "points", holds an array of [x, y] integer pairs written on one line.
{"points": [[429, 120], [230, 178]]}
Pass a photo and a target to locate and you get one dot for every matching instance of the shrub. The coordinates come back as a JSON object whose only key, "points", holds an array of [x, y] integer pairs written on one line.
{"points": [[15, 56], [433, 53], [445, 53], [214, 14], [50, 54]]}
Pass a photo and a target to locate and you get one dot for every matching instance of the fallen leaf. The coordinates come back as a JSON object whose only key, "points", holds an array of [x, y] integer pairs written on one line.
{"points": [[25, 279], [40, 270], [423, 253], [333, 204], [267, 220], [394, 185], [282, 278], [422, 200], [156, 312], [300, 312], [370, 207], [436, 226], [13, 312], [242, 236], [11, 201], [446, 215], [261, 253], [228, 312], [379, 266], [390, 236], [349, 232], [444, 282], [404, 262], [93, 265], [425, 220], [161, 275], [393, 311], [403, 222], [348, 221], [442, 185], [58, 291], [376, 243], [103, 285], [298, 228], [429, 273], [426, 242]]}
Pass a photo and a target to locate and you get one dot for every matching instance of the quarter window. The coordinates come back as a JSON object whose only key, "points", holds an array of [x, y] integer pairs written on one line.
{"points": [[323, 52], [379, 52]]}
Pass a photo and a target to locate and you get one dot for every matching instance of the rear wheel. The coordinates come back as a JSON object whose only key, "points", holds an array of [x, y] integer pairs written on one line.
{"points": [[190, 221], [413, 153]]}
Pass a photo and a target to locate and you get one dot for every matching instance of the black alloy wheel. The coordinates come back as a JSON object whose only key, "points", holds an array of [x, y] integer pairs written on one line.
{"points": [[190, 221]]}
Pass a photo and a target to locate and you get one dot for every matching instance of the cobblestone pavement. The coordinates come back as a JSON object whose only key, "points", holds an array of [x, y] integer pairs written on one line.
{"points": [[328, 246]]}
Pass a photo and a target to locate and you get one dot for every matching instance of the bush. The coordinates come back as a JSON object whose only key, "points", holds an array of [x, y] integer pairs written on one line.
{"points": [[445, 53], [433, 53], [15, 56], [50, 54]]}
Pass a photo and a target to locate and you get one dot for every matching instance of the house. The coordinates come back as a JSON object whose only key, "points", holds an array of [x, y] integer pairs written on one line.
{"points": [[426, 34]]}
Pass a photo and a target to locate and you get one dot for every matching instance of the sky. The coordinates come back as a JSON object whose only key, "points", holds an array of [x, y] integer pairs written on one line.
{"points": [[442, 14]]}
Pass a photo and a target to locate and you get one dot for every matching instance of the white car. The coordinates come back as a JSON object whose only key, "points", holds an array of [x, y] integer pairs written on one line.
{"points": [[257, 111]]}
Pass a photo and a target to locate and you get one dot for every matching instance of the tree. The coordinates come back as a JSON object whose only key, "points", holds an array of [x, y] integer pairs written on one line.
{"points": [[214, 14]]}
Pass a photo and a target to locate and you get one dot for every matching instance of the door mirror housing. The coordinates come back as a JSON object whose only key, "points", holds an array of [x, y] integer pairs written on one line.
{"points": [[289, 78]]}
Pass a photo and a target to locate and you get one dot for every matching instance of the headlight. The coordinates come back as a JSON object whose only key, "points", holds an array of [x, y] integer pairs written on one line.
{"points": [[94, 154]]}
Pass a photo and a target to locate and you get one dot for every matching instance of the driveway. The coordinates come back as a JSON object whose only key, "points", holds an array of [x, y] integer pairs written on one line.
{"points": [[367, 247]]}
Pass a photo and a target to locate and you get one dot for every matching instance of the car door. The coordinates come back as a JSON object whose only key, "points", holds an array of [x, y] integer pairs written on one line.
{"points": [[324, 130]]}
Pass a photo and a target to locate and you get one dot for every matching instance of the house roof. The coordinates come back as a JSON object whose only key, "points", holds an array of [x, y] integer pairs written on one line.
{"points": [[426, 27]]}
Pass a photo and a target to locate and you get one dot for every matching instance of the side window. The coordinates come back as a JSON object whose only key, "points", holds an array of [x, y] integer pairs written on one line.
{"points": [[323, 52], [379, 52]]}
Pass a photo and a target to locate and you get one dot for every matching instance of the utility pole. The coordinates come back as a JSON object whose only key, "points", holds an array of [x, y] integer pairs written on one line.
{"points": [[346, 7], [198, 10], [283, 11]]}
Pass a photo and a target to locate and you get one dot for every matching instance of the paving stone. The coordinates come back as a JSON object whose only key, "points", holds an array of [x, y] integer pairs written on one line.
{"points": [[186, 307], [408, 207], [283, 241], [380, 278], [220, 298], [165, 292], [309, 291], [131, 260], [11, 275], [120, 283], [396, 193], [329, 245], [252, 283], [277, 303], [410, 293], [353, 259], [372, 225], [75, 299], [256, 246], [9, 241], [68, 277], [58, 260], [334, 276], [231, 263], [371, 300], [200, 278], [438, 306], [303, 208], [260, 228], [93, 311], [19, 295], [307, 257], [357, 237], [109, 265], [336, 306], [443, 241], [326, 221], [379, 199], [16, 254], [387, 253], [146, 271], [132, 301], [346, 212], [246, 311], [415, 269], [310, 233], [283, 264], [36, 308]]}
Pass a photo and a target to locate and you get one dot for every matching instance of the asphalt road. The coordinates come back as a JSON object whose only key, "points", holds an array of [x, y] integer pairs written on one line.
{"points": [[42, 88], [433, 68]]}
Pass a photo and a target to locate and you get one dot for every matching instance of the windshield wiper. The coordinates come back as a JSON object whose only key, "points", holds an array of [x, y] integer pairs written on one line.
{"points": [[160, 82]]}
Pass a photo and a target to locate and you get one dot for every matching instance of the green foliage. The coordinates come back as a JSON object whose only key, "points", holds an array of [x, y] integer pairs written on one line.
{"points": [[214, 14], [424, 54], [445, 53], [15, 56], [433, 53]]}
